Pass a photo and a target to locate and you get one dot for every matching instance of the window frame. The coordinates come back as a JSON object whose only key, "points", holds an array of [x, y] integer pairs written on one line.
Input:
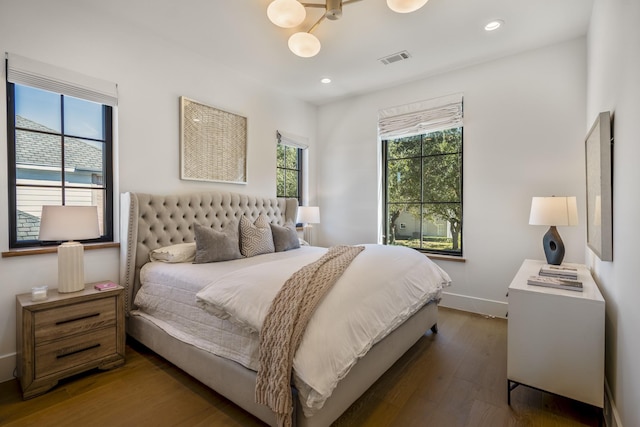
{"points": [[299, 171], [385, 196], [107, 187]]}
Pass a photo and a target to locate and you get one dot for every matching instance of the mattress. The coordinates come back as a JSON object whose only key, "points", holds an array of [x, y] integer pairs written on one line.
{"points": [[167, 298]]}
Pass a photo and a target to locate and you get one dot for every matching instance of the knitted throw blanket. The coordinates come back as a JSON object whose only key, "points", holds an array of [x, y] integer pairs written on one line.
{"points": [[286, 322]]}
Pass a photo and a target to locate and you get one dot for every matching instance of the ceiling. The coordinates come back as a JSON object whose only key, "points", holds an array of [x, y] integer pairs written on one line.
{"points": [[443, 35]]}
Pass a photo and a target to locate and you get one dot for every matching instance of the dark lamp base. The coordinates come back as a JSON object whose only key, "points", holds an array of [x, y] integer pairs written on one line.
{"points": [[553, 246]]}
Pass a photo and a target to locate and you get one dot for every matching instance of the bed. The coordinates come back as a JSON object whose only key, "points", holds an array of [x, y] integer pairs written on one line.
{"points": [[167, 310]]}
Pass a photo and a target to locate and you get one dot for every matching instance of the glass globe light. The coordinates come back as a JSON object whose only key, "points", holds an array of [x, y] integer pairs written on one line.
{"points": [[305, 45], [405, 6], [286, 13]]}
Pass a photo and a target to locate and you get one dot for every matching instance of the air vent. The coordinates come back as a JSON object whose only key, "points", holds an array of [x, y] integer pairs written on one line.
{"points": [[400, 56]]}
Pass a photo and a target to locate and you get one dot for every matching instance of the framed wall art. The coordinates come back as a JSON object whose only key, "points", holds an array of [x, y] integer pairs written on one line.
{"points": [[213, 143], [598, 148]]}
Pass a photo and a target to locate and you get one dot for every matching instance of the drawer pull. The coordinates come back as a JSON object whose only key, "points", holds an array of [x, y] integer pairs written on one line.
{"points": [[75, 319], [91, 347]]}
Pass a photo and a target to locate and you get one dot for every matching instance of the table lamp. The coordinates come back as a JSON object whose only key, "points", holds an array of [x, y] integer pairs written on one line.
{"points": [[553, 211], [308, 215], [69, 223]]}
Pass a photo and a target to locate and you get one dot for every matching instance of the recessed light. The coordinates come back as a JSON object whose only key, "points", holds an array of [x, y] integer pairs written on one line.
{"points": [[325, 80], [494, 25]]}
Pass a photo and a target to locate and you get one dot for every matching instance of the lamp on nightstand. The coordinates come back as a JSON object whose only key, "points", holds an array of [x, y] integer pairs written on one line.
{"points": [[553, 211], [69, 223], [308, 215]]}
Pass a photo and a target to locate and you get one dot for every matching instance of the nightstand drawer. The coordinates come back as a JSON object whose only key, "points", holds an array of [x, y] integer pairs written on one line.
{"points": [[75, 318], [74, 351]]}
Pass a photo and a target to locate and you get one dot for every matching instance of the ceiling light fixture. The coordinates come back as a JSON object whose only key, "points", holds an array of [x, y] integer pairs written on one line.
{"points": [[325, 80], [291, 13], [494, 25]]}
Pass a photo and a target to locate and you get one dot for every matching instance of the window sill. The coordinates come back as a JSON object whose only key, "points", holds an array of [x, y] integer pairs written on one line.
{"points": [[445, 258], [54, 249]]}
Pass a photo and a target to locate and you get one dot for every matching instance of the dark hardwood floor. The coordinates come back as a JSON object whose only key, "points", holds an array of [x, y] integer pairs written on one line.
{"points": [[454, 378]]}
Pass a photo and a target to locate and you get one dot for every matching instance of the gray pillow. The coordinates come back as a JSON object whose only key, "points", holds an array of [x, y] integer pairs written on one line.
{"points": [[213, 245], [285, 238], [255, 238]]}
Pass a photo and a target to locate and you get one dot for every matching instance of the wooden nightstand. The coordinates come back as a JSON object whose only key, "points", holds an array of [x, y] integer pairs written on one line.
{"points": [[67, 334]]}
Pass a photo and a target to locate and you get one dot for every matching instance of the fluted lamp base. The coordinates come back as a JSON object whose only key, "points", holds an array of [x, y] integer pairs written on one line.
{"points": [[70, 267], [553, 246]]}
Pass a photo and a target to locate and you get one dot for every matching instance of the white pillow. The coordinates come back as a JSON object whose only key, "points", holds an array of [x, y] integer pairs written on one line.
{"points": [[181, 252]]}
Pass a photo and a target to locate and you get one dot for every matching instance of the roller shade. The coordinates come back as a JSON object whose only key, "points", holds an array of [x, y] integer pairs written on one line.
{"points": [[286, 138], [29, 72], [420, 117]]}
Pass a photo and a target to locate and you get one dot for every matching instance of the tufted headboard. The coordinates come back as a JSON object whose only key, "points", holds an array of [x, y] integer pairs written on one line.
{"points": [[150, 221]]}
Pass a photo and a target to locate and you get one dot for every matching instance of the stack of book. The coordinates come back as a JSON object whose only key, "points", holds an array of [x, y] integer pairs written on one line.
{"points": [[557, 276], [564, 272]]}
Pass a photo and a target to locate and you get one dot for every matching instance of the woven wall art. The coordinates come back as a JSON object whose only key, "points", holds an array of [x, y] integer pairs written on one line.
{"points": [[213, 143]]}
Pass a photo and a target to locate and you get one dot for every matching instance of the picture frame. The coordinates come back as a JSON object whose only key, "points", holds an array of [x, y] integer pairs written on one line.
{"points": [[598, 158], [213, 143]]}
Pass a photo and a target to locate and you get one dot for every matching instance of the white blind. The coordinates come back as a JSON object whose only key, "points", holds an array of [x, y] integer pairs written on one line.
{"points": [[37, 74], [286, 138], [420, 117]]}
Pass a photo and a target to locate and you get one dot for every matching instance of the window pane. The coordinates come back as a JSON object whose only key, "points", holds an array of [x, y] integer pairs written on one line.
{"points": [[37, 109], [403, 180], [291, 183], [38, 158], [280, 183], [442, 181], [447, 141], [83, 118], [280, 155], [403, 225], [291, 161], [404, 147], [29, 202], [441, 226], [84, 162]]}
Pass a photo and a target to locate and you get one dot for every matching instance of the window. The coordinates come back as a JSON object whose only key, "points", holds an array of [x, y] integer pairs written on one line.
{"points": [[422, 181], [289, 172], [290, 165], [59, 153]]}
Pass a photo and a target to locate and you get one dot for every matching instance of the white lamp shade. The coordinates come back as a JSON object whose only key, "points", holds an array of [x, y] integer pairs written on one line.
{"points": [[305, 45], [405, 6], [309, 215], [69, 223], [553, 211], [286, 13]]}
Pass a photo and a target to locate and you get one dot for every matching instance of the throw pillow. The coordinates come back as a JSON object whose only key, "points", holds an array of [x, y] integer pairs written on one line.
{"points": [[285, 238], [181, 252], [213, 245], [256, 238]]}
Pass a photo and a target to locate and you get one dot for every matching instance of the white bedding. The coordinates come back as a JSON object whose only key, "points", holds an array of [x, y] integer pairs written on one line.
{"points": [[382, 287]]}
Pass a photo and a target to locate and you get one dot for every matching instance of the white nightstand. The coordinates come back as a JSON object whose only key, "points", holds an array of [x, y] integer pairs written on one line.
{"points": [[556, 337]]}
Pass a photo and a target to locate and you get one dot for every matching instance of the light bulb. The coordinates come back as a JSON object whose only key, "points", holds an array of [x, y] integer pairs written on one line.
{"points": [[405, 6], [305, 45], [286, 13]]}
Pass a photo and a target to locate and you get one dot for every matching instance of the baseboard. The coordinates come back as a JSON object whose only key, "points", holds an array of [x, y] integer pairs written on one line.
{"points": [[7, 367], [474, 305], [611, 416]]}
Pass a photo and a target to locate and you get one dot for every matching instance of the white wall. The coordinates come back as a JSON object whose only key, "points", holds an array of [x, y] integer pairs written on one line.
{"points": [[523, 136], [614, 85], [151, 75]]}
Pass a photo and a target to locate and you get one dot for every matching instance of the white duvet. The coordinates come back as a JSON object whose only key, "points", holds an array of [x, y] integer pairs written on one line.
{"points": [[383, 286]]}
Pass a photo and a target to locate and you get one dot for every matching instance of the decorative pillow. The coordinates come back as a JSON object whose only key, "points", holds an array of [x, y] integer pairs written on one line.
{"points": [[213, 245], [256, 238], [181, 252], [285, 238]]}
